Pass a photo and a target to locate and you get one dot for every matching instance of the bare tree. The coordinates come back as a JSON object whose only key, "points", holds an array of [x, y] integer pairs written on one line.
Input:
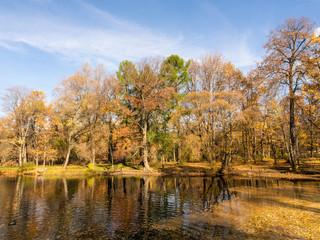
{"points": [[287, 48]]}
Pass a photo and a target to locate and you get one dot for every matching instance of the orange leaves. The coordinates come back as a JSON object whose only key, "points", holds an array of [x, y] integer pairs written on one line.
{"points": [[125, 139], [142, 88], [197, 104], [205, 101]]}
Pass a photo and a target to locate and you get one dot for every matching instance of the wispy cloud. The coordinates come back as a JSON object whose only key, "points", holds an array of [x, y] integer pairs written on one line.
{"points": [[112, 43], [239, 51], [105, 39], [228, 39]]}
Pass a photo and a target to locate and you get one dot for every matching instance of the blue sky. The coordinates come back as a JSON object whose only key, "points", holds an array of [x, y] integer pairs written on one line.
{"points": [[44, 41]]}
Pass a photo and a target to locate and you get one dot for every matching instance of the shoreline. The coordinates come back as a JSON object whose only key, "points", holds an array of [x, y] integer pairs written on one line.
{"points": [[261, 170]]}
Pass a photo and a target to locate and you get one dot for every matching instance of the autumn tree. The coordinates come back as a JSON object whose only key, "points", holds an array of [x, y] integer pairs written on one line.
{"points": [[207, 76], [47, 135], [76, 107], [38, 121], [195, 116], [109, 120], [207, 73], [174, 71], [7, 143], [286, 49], [312, 63], [23, 107], [15, 104], [228, 109], [252, 88], [311, 93], [98, 92], [209, 110], [143, 94]]}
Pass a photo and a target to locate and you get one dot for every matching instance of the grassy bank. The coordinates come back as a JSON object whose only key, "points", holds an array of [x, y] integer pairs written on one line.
{"points": [[71, 170], [199, 169], [309, 169]]}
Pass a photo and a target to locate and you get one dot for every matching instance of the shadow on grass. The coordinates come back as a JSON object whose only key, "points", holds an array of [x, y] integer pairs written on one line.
{"points": [[119, 166], [303, 168], [186, 170]]}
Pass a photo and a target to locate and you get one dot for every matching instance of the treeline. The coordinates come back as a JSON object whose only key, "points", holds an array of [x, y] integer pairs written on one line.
{"points": [[176, 110]]}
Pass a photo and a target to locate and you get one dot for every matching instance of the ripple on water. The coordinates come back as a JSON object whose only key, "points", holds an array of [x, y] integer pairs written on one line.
{"points": [[135, 208]]}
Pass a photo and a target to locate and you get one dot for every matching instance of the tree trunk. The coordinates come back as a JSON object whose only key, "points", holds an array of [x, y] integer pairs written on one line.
{"points": [[110, 155], [244, 145], [67, 157], [24, 153], [145, 146], [292, 146], [20, 156], [179, 145], [224, 164], [162, 161], [285, 143], [262, 150], [248, 146], [311, 141], [179, 153], [68, 153], [110, 143], [225, 159], [92, 145], [37, 159], [297, 152], [274, 151], [254, 145], [93, 149], [44, 156]]}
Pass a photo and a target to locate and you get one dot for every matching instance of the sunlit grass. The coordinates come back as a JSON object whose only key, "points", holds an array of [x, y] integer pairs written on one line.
{"points": [[266, 168], [98, 169]]}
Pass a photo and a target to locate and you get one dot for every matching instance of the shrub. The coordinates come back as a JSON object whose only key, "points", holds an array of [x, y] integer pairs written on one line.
{"points": [[214, 168], [27, 166], [91, 166]]}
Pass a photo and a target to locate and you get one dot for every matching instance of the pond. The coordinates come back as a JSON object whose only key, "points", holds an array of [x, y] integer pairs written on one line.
{"points": [[158, 208]]}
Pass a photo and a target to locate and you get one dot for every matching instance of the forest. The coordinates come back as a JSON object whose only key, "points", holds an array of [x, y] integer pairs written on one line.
{"points": [[175, 110]]}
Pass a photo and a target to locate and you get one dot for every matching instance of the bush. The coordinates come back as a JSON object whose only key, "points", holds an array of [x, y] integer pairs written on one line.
{"points": [[91, 166], [27, 166], [214, 168]]}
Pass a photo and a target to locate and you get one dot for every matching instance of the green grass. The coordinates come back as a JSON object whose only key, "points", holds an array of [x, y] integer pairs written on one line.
{"points": [[12, 167], [9, 170], [71, 170]]}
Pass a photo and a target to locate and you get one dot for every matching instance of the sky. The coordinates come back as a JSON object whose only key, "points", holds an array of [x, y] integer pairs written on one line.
{"points": [[45, 41]]}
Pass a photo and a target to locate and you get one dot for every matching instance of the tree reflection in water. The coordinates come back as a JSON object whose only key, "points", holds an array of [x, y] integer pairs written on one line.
{"points": [[112, 207]]}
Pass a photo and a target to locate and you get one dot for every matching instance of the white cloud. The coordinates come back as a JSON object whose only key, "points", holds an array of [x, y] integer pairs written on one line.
{"points": [[107, 40], [239, 51], [227, 39], [117, 41]]}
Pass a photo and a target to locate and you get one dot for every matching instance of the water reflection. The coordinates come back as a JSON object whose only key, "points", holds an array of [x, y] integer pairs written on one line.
{"points": [[114, 207]]}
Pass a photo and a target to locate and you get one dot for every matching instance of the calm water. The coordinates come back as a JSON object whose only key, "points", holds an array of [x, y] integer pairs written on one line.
{"points": [[136, 208]]}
